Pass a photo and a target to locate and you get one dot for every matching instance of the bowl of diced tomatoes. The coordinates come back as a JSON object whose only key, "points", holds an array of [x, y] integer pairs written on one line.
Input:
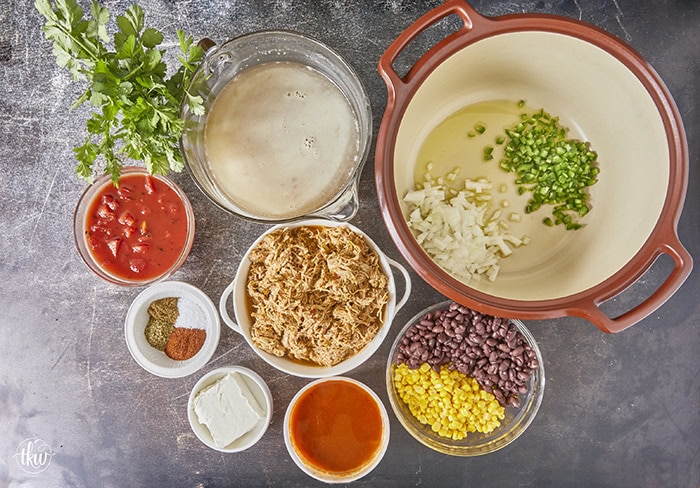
{"points": [[136, 232]]}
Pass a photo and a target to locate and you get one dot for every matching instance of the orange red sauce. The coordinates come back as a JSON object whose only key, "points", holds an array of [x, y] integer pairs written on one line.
{"points": [[336, 427], [136, 231]]}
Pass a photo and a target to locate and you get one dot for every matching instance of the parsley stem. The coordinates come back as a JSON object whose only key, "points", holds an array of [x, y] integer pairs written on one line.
{"points": [[78, 42], [133, 72]]}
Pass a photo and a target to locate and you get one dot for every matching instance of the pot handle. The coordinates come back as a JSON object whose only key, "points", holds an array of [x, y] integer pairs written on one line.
{"points": [[683, 264], [397, 84], [407, 281], [224, 312]]}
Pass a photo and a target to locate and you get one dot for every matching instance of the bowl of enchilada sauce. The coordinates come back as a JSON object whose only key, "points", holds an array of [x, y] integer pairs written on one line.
{"points": [[336, 429], [135, 233]]}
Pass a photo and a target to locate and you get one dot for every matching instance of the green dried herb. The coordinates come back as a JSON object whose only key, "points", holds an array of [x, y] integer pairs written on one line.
{"points": [[161, 322]]}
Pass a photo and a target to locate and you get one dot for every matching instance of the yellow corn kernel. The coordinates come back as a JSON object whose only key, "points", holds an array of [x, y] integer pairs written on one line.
{"points": [[451, 403]]}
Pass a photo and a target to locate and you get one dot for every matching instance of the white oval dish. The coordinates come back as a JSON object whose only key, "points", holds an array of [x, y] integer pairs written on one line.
{"points": [[150, 358], [235, 294], [260, 391]]}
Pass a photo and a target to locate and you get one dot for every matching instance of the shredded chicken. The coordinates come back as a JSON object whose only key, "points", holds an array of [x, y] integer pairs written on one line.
{"points": [[315, 294]]}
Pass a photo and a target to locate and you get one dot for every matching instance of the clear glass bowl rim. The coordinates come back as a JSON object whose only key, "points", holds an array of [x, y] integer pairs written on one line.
{"points": [[474, 444], [79, 217]]}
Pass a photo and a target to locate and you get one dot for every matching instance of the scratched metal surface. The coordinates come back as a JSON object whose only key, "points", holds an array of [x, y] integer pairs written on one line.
{"points": [[618, 411]]}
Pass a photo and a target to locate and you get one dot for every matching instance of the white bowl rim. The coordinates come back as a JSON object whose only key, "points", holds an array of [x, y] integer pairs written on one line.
{"points": [[247, 440], [178, 369], [317, 474], [310, 371]]}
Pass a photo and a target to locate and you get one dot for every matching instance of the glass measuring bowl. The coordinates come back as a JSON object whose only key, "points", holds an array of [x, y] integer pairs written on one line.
{"points": [[223, 63]]}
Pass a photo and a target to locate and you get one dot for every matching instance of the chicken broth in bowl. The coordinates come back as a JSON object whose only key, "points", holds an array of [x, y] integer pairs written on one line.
{"points": [[281, 140], [285, 131]]}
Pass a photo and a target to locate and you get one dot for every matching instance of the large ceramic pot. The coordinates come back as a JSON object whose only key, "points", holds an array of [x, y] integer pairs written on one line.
{"points": [[602, 89]]}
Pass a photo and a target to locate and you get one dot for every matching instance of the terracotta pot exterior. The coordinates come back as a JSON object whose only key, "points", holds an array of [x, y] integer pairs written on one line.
{"points": [[660, 236]]}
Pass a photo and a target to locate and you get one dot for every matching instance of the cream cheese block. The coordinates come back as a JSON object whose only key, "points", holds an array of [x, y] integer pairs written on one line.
{"points": [[228, 409]]}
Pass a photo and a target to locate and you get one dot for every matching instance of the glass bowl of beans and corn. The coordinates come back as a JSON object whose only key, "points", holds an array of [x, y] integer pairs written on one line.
{"points": [[464, 383]]}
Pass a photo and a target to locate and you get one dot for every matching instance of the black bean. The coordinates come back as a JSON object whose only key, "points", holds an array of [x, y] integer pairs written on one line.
{"points": [[487, 348]]}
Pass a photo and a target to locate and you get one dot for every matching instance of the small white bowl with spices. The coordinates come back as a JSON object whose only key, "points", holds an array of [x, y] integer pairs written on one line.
{"points": [[172, 329]]}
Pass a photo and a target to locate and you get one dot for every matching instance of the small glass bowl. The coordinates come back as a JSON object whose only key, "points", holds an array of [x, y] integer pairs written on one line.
{"points": [[80, 225], [516, 420]]}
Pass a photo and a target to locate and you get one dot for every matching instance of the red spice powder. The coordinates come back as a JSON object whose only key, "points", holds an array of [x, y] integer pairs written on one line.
{"points": [[184, 343]]}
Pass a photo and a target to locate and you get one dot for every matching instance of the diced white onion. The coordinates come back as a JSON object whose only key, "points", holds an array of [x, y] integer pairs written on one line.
{"points": [[456, 231]]}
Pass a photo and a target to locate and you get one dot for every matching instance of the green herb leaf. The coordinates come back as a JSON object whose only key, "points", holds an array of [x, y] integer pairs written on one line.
{"points": [[152, 38], [136, 106]]}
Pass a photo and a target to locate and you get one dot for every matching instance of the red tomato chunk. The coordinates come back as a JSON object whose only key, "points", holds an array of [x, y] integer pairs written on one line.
{"points": [[138, 231]]}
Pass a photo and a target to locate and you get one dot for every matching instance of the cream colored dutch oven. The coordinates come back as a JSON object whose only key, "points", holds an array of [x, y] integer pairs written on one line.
{"points": [[601, 89]]}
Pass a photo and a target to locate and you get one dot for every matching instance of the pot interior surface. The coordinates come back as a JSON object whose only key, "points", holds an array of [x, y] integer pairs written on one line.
{"points": [[601, 101]]}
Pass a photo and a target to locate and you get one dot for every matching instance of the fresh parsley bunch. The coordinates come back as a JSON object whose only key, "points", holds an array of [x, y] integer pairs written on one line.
{"points": [[136, 105]]}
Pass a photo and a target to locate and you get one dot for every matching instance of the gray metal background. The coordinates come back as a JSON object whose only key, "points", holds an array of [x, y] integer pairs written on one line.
{"points": [[618, 411]]}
